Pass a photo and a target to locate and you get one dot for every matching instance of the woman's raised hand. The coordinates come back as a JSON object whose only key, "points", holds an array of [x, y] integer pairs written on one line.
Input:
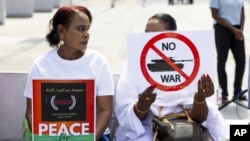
{"points": [[205, 88], [146, 98]]}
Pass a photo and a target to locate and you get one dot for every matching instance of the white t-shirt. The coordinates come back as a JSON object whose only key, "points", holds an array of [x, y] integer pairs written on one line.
{"points": [[230, 10], [91, 65]]}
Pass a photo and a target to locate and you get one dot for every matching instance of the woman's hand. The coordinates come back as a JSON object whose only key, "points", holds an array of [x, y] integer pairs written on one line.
{"points": [[205, 88], [146, 98]]}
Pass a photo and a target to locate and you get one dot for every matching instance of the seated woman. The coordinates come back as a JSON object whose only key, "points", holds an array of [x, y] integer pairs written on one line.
{"points": [[71, 58], [135, 110]]}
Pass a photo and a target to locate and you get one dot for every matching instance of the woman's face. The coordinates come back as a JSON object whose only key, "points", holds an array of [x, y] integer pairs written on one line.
{"points": [[154, 25], [76, 36]]}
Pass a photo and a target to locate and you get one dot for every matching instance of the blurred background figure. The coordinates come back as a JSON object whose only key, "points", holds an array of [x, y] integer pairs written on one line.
{"points": [[229, 19], [172, 2]]}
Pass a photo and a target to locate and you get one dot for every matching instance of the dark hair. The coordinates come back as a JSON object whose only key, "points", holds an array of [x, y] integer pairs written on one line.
{"points": [[64, 16], [167, 20]]}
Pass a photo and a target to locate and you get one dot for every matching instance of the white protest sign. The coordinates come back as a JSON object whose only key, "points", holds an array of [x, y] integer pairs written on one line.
{"points": [[172, 60]]}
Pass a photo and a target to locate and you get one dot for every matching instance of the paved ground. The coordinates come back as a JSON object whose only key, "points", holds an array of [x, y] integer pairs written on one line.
{"points": [[22, 39]]}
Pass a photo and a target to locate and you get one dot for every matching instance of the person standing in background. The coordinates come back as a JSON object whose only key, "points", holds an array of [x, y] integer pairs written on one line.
{"points": [[229, 21], [171, 2]]}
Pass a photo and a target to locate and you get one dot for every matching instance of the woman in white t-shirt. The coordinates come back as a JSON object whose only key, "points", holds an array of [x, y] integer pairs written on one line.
{"points": [[71, 59]]}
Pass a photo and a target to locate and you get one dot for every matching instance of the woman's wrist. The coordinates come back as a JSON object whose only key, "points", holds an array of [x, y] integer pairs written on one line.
{"points": [[139, 110], [199, 98], [199, 101]]}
